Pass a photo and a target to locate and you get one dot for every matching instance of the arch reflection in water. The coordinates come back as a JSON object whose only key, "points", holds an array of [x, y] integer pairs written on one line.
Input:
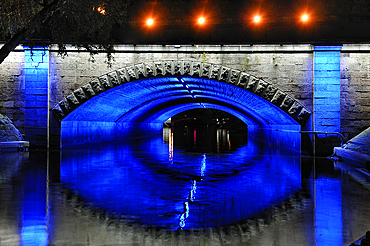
{"points": [[188, 190]]}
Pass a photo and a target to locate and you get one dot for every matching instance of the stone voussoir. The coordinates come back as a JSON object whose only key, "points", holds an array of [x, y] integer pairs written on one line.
{"points": [[168, 68], [178, 68], [260, 87], [122, 75], [80, 95], [303, 115], [113, 78], [140, 71], [149, 69], [206, 70], [104, 81], [58, 112], [252, 84], [72, 99], [234, 77], [96, 86], [65, 106], [295, 109], [158, 68], [224, 74], [215, 72], [88, 90], [196, 69], [270, 92], [243, 80], [186, 68], [131, 73], [287, 103]]}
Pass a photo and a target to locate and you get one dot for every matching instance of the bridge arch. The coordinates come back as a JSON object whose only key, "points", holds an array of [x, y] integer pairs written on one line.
{"points": [[139, 98]]}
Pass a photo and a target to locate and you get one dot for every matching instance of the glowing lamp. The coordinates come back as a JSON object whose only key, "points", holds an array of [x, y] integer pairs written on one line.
{"points": [[304, 17], [150, 22], [257, 19], [101, 10], [201, 20]]}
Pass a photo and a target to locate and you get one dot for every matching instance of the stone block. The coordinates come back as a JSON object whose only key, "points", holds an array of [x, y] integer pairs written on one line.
{"points": [[122, 75], [149, 70], [104, 81], [287, 103], [65, 106], [167, 68], [58, 113], [88, 90], [196, 69], [261, 87], [234, 77], [243, 81], [96, 86], [159, 69], [140, 71], [206, 70], [252, 83], [131, 74], [303, 116], [187, 68], [294, 109], [224, 74], [178, 68], [214, 72], [73, 100], [270, 92], [113, 78]]}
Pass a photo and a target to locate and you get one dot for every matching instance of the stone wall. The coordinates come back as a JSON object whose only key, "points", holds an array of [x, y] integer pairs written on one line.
{"points": [[289, 67], [12, 88], [355, 92], [289, 71]]}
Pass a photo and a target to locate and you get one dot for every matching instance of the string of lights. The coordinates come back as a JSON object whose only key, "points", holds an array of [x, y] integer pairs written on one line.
{"points": [[202, 20]]}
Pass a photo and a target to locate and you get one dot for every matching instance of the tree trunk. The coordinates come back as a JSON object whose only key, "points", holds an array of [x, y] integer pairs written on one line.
{"points": [[40, 18]]}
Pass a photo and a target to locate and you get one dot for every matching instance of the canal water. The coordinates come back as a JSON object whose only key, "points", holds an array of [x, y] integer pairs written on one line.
{"points": [[230, 190]]}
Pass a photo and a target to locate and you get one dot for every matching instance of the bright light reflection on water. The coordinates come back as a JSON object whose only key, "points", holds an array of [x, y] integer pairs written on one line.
{"points": [[151, 192]]}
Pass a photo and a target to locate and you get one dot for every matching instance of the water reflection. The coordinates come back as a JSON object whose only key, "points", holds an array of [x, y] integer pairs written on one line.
{"points": [[185, 191], [137, 193]]}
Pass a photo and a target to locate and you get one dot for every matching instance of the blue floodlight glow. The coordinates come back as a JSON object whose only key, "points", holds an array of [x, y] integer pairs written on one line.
{"points": [[328, 211], [327, 88], [183, 192], [36, 66], [35, 228], [142, 106]]}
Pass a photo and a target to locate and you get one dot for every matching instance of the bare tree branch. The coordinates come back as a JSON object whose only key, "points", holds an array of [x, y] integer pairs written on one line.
{"points": [[32, 26]]}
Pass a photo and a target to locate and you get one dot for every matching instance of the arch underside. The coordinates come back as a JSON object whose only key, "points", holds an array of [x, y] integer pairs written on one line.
{"points": [[136, 100]]}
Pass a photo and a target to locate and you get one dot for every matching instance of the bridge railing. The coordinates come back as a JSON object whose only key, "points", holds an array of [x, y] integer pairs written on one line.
{"points": [[340, 135]]}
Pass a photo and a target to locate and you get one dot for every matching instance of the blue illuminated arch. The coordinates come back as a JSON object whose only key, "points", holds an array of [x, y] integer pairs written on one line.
{"points": [[145, 95]]}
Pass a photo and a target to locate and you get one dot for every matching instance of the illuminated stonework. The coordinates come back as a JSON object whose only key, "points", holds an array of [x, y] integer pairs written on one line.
{"points": [[179, 69]]}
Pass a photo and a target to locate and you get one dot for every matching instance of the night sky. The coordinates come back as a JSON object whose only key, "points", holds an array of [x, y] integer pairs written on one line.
{"points": [[231, 22]]}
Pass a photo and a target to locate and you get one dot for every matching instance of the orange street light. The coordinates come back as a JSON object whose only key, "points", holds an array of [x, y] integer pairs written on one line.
{"points": [[257, 19], [149, 22], [201, 21], [304, 17]]}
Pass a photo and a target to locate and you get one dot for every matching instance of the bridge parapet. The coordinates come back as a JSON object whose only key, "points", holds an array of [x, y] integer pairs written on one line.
{"points": [[173, 68]]}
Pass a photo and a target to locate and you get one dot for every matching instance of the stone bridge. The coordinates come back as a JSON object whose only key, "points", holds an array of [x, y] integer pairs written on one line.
{"points": [[274, 87]]}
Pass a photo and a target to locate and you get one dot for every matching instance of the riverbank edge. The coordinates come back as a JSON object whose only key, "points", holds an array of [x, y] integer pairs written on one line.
{"points": [[14, 146]]}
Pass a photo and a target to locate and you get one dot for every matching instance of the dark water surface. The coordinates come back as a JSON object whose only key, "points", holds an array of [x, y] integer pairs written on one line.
{"points": [[159, 192]]}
